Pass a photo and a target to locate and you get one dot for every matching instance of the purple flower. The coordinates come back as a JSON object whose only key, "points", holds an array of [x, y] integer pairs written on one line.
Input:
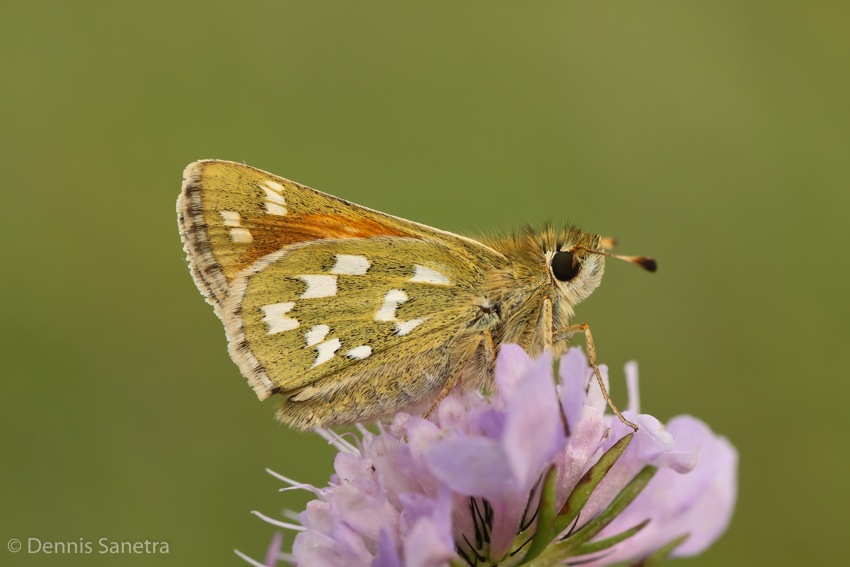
{"points": [[534, 474]]}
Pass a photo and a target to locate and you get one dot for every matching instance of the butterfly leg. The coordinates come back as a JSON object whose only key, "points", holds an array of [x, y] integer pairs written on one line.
{"points": [[485, 343], [544, 325], [537, 338], [568, 333]]}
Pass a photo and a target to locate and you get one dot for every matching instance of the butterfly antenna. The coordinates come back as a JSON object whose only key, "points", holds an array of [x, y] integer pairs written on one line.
{"points": [[644, 262]]}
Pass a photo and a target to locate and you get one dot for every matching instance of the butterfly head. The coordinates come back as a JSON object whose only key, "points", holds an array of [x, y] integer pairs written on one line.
{"points": [[562, 264], [569, 263], [573, 263]]}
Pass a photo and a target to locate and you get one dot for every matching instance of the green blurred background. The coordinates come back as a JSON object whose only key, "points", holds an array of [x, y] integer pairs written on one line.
{"points": [[714, 136]]}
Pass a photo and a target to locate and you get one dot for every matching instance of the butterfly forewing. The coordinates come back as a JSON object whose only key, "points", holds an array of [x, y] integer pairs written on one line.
{"points": [[232, 215]]}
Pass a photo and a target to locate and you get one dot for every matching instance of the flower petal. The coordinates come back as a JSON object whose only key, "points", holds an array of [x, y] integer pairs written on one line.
{"points": [[707, 495], [385, 454], [364, 511], [350, 467], [343, 549], [473, 466], [318, 517], [573, 384], [595, 398], [534, 430], [511, 364], [487, 421], [423, 546], [452, 413], [429, 542], [387, 555], [583, 444]]}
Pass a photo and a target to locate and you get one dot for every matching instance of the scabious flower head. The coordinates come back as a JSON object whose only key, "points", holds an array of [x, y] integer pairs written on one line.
{"points": [[535, 474]]}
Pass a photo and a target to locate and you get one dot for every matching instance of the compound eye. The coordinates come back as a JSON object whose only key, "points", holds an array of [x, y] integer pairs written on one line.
{"points": [[565, 266]]}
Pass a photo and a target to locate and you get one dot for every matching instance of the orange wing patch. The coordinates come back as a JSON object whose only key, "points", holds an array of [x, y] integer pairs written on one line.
{"points": [[306, 228]]}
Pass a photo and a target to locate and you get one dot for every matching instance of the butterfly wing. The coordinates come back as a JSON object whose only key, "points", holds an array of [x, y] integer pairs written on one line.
{"points": [[230, 215], [348, 312]]}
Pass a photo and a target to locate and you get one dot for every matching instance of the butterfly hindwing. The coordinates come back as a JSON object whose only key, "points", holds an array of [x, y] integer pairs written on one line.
{"points": [[334, 307]]}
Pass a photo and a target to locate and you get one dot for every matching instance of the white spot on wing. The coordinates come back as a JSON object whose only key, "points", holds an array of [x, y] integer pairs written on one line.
{"points": [[273, 209], [317, 334], [388, 307], [351, 265], [230, 218], [404, 327], [326, 351], [274, 186], [422, 274], [360, 352], [241, 235], [274, 197], [275, 317], [319, 286]]}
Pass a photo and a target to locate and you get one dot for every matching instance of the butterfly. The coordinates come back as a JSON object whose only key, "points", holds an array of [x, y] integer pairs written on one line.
{"points": [[352, 315]]}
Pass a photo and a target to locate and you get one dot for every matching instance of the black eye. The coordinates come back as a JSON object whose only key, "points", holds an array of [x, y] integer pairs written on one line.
{"points": [[565, 266]]}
